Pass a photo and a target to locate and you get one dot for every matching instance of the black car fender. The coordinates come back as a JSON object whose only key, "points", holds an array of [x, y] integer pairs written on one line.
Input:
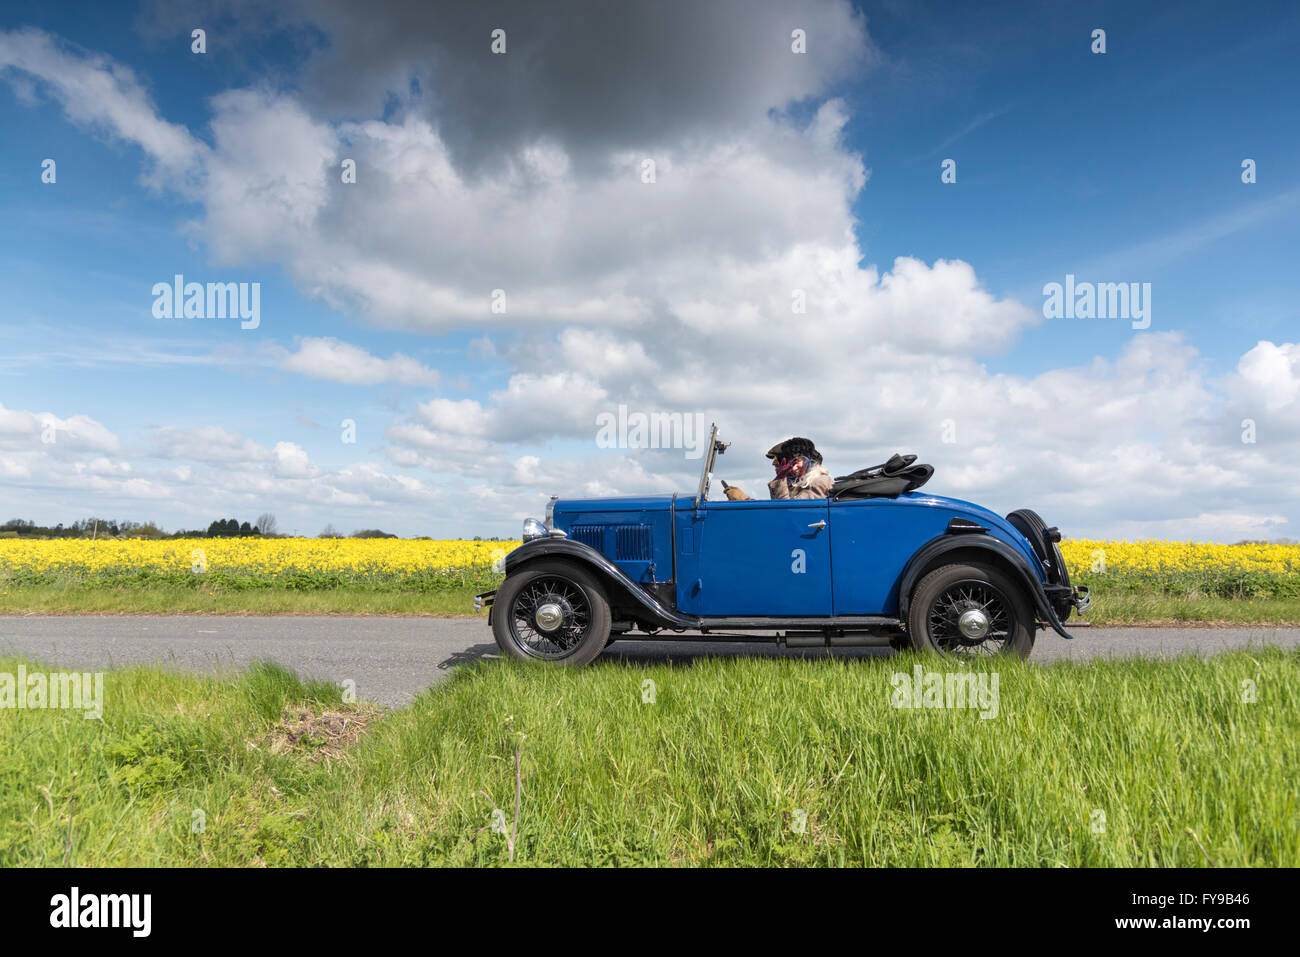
{"points": [[970, 538], [614, 578]]}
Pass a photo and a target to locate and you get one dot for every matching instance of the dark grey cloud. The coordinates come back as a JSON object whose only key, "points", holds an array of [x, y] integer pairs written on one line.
{"points": [[591, 75]]}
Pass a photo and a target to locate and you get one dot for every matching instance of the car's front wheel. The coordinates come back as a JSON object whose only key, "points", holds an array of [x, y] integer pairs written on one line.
{"points": [[551, 611], [971, 610]]}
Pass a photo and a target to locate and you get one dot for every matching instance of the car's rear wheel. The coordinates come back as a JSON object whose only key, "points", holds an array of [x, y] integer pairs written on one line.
{"points": [[969, 611], [551, 611]]}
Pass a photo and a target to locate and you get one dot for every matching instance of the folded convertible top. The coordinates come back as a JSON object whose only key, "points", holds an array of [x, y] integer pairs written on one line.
{"points": [[887, 480]]}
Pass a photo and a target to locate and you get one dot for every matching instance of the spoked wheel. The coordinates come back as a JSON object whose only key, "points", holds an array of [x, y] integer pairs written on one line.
{"points": [[969, 611], [550, 617], [551, 611], [969, 617]]}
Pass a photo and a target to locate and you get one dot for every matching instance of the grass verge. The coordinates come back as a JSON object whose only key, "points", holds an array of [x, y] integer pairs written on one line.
{"points": [[1124, 607], [73, 598], [735, 762], [1111, 606]]}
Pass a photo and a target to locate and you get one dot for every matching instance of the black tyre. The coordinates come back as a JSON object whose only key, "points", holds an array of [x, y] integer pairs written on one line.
{"points": [[971, 610], [551, 611], [1031, 525]]}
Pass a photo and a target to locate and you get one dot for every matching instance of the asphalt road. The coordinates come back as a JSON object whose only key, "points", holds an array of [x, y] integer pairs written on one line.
{"points": [[393, 659]]}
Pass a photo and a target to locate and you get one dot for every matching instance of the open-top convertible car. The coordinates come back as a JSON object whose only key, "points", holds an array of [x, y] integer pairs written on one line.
{"points": [[875, 563]]}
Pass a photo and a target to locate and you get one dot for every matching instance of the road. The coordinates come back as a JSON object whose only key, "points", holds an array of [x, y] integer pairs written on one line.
{"points": [[393, 659]]}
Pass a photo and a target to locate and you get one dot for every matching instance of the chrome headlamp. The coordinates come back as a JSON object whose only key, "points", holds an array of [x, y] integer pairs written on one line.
{"points": [[533, 530]]}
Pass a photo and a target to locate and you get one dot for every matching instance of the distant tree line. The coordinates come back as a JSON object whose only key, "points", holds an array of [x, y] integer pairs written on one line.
{"points": [[265, 526], [112, 528], [231, 528], [87, 528]]}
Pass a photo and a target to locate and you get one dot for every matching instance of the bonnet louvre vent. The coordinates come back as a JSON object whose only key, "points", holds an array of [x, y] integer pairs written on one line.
{"points": [[593, 535], [632, 543]]}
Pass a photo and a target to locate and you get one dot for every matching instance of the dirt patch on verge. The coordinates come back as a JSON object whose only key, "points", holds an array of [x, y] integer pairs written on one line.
{"points": [[319, 736]]}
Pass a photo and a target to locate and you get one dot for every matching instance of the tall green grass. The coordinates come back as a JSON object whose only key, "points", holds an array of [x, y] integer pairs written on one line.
{"points": [[1114, 603], [736, 762]]}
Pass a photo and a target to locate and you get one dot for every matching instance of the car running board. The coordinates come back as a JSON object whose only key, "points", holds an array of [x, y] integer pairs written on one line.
{"points": [[843, 623]]}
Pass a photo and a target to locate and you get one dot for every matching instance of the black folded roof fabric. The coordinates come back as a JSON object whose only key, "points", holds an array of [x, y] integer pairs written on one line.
{"points": [[887, 480]]}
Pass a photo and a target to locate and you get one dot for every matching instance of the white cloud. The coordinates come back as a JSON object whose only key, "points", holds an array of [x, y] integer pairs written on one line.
{"points": [[22, 430], [292, 461], [221, 473], [335, 361], [101, 94], [269, 176], [211, 443], [1268, 378]]}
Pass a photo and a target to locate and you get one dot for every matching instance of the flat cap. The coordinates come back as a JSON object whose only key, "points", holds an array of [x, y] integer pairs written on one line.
{"points": [[794, 446]]}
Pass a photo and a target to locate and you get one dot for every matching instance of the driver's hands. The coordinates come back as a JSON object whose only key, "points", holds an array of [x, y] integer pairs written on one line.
{"points": [[790, 468], [735, 494]]}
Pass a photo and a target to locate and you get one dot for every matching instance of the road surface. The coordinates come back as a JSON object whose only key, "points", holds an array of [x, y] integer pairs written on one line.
{"points": [[393, 659]]}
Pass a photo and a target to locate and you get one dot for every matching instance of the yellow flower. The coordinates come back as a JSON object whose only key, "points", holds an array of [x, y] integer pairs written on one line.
{"points": [[251, 556]]}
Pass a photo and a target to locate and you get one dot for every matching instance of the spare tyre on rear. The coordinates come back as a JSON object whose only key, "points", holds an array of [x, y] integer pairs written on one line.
{"points": [[1031, 525]]}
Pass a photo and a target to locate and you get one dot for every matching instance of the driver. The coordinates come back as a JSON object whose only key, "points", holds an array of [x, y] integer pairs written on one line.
{"points": [[799, 472]]}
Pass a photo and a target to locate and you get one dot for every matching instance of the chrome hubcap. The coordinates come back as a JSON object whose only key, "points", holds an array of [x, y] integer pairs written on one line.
{"points": [[549, 616], [973, 623]]}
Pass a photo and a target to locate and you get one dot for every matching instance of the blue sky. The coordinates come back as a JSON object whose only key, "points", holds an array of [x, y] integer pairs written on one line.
{"points": [[1120, 167], [1071, 157]]}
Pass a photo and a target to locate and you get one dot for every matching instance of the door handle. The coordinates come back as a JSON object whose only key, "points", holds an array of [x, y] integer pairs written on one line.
{"points": [[821, 524]]}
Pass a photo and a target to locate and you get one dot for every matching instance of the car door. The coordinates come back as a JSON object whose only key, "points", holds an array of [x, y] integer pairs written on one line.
{"points": [[874, 539], [754, 558]]}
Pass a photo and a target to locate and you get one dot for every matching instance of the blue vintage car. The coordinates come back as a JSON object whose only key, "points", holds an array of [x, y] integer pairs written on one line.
{"points": [[876, 563]]}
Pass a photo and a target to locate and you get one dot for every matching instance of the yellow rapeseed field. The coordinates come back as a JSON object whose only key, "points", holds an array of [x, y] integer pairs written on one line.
{"points": [[395, 556], [1155, 557], [250, 556]]}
